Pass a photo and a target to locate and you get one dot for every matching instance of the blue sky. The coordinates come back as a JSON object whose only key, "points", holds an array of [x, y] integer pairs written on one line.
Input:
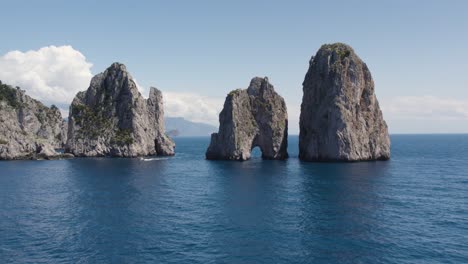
{"points": [[417, 51]]}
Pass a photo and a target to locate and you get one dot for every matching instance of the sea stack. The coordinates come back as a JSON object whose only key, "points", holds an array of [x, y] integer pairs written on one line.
{"points": [[251, 117], [112, 118], [340, 116], [28, 129]]}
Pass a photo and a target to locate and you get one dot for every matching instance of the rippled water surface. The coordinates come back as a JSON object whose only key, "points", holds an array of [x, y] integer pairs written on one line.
{"points": [[411, 209]]}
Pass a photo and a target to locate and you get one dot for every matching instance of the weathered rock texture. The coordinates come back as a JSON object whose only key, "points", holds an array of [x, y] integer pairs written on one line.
{"points": [[28, 129], [340, 116], [253, 117], [112, 118], [64, 133]]}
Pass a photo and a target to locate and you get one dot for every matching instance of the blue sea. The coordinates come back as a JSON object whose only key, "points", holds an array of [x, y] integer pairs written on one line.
{"points": [[185, 209]]}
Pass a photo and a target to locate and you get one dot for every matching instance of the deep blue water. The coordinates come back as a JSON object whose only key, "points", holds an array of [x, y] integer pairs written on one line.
{"points": [[411, 209]]}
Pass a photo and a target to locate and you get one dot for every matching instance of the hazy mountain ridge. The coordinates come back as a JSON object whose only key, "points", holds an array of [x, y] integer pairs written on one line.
{"points": [[188, 128]]}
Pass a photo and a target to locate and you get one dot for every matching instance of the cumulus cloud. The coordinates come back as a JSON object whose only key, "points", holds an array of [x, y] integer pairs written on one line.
{"points": [[51, 74], [54, 75], [193, 107], [425, 108]]}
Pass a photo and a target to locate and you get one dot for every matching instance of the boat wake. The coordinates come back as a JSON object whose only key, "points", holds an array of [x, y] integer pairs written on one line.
{"points": [[152, 159]]}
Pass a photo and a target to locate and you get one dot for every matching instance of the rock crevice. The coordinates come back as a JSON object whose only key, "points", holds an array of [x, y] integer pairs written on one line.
{"points": [[253, 117]]}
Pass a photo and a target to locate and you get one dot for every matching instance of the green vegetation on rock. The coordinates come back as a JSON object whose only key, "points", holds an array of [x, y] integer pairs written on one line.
{"points": [[261, 103], [234, 92], [92, 123], [341, 49], [8, 94], [343, 53], [123, 137]]}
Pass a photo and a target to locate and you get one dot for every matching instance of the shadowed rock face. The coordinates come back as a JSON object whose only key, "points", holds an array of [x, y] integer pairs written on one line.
{"points": [[253, 117], [28, 129], [111, 118], [340, 116]]}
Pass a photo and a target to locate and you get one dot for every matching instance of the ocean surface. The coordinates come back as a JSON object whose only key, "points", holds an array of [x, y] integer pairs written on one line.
{"points": [[185, 209]]}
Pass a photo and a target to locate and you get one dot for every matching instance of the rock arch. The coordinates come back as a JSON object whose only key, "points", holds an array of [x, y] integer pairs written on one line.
{"points": [[255, 152], [253, 117]]}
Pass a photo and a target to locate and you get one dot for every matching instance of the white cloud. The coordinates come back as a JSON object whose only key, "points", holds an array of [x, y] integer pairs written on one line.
{"points": [[51, 74], [144, 92], [54, 75], [425, 108], [193, 107]]}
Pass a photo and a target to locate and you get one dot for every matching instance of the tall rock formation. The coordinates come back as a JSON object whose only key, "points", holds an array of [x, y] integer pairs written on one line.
{"points": [[253, 117], [340, 116], [112, 118], [28, 129]]}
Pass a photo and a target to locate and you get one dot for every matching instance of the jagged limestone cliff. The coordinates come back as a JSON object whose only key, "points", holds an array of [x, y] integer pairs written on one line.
{"points": [[253, 117], [340, 116], [112, 118], [28, 129]]}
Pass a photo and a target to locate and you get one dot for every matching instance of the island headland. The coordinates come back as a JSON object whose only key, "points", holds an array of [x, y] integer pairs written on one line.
{"points": [[29, 129]]}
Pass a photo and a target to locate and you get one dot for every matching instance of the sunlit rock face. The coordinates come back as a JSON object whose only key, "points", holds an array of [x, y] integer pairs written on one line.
{"points": [[340, 116], [28, 129], [111, 118], [251, 117]]}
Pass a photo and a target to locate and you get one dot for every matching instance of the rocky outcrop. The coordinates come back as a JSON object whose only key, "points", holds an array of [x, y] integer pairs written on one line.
{"points": [[253, 117], [112, 118], [340, 116], [28, 129]]}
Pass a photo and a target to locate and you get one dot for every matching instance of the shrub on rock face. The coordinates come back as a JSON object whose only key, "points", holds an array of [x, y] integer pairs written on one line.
{"points": [[340, 116]]}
